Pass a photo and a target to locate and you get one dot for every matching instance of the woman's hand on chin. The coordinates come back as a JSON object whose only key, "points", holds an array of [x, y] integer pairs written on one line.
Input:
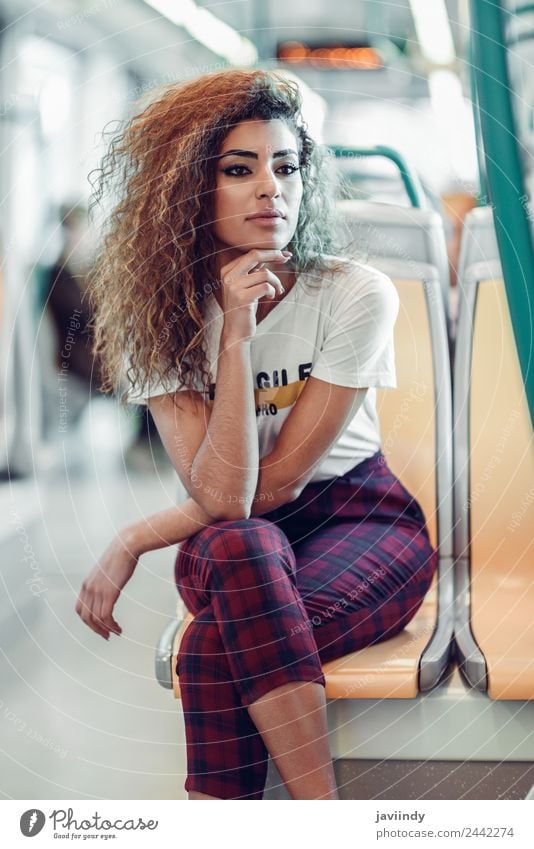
{"points": [[103, 585]]}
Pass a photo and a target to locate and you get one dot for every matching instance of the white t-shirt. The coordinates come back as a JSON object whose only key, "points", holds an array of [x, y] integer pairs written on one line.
{"points": [[339, 330]]}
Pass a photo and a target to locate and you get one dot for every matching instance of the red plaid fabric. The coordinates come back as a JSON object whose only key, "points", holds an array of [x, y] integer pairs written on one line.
{"points": [[346, 565]]}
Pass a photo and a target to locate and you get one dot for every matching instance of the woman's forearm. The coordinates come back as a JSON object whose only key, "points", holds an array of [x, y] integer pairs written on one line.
{"points": [[226, 462], [167, 527], [171, 526]]}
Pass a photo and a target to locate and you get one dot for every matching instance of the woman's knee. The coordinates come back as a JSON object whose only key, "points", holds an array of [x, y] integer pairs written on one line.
{"points": [[250, 551], [230, 538], [254, 548]]}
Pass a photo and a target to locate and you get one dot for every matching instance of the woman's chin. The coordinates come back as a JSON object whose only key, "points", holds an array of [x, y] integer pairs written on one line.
{"points": [[262, 244], [265, 245]]}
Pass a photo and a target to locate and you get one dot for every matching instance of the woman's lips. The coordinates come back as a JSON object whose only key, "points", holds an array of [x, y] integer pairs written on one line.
{"points": [[266, 220]]}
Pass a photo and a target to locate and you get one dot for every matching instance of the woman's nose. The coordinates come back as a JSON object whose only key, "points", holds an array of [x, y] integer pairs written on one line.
{"points": [[268, 186]]}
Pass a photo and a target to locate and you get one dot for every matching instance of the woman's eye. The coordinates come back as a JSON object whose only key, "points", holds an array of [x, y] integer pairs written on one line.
{"points": [[241, 170], [236, 170], [291, 168]]}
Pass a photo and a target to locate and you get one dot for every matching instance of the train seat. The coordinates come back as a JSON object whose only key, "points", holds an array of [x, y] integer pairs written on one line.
{"points": [[402, 234], [494, 486], [416, 438], [386, 670]]}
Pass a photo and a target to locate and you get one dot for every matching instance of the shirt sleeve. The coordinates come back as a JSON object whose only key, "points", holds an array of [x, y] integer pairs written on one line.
{"points": [[358, 348], [154, 387]]}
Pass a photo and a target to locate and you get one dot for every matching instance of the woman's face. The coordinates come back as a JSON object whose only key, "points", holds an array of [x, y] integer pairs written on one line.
{"points": [[257, 171]]}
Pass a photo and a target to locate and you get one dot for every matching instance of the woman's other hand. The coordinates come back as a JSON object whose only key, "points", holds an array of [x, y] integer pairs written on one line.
{"points": [[244, 281], [104, 584]]}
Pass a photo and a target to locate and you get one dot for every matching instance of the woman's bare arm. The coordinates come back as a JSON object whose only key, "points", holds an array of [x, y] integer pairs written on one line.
{"points": [[173, 525], [227, 460], [103, 585], [298, 450]]}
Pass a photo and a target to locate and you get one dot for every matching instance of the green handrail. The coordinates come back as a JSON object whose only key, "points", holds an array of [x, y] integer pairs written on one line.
{"points": [[517, 12], [482, 197], [522, 9], [505, 178], [411, 181]]}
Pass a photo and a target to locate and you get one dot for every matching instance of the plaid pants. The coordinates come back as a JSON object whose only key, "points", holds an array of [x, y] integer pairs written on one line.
{"points": [[345, 565]]}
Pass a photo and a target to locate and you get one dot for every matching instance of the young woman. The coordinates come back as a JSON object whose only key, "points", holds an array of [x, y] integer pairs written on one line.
{"points": [[258, 351]]}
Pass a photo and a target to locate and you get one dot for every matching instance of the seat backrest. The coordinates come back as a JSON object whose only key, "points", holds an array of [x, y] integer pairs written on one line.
{"points": [[416, 418], [404, 234], [501, 498], [501, 492], [407, 414]]}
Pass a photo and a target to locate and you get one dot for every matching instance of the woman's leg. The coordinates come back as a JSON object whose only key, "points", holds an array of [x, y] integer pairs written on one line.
{"points": [[364, 559], [361, 581], [362, 584], [239, 579], [226, 757], [292, 722]]}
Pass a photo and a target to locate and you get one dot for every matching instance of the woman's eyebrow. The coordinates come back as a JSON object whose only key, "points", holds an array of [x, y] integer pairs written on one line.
{"points": [[251, 155]]}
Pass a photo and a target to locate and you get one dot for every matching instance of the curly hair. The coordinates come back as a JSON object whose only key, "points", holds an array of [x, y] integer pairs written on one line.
{"points": [[157, 249]]}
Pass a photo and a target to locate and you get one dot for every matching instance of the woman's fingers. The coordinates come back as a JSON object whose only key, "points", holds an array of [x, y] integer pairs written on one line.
{"points": [[106, 616], [263, 275], [246, 262], [103, 586], [96, 611], [94, 618], [98, 617], [88, 608]]}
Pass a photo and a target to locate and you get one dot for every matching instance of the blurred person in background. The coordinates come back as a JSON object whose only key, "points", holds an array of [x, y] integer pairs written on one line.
{"points": [[64, 287], [65, 294]]}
